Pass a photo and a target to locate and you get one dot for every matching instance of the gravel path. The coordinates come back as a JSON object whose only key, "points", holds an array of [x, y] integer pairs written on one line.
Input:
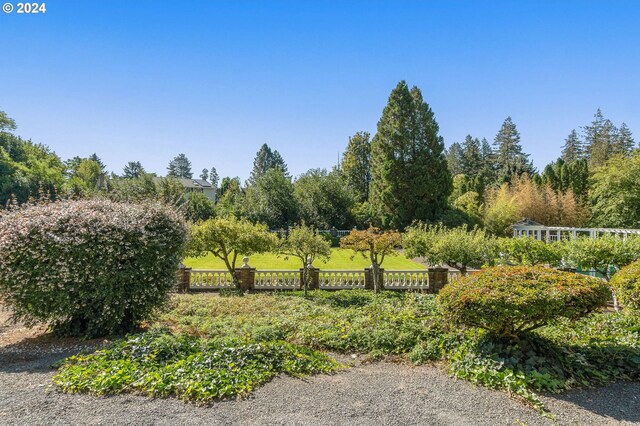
{"points": [[379, 393]]}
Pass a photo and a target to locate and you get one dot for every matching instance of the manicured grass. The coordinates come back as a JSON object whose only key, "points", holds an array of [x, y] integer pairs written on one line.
{"points": [[340, 259]]}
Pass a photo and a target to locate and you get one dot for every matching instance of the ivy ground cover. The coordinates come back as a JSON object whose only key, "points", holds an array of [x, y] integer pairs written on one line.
{"points": [[208, 347]]}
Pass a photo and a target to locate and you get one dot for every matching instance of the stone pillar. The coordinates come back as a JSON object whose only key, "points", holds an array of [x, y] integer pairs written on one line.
{"points": [[184, 279], [438, 278], [368, 278], [246, 275], [313, 275]]}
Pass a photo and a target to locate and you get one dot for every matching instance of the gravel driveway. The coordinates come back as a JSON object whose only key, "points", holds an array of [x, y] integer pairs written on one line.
{"points": [[375, 394]]}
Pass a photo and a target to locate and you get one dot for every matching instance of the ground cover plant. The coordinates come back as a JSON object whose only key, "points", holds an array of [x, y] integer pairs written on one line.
{"points": [[339, 259], [596, 349]]}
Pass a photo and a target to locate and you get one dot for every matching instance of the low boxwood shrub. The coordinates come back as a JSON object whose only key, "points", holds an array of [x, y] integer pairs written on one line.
{"points": [[626, 285], [508, 302], [89, 267]]}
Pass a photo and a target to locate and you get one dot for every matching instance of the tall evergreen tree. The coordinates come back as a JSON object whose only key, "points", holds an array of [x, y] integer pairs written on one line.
{"points": [[623, 144], [180, 167], [455, 158], [204, 175], [510, 159], [132, 170], [410, 178], [488, 162], [356, 165], [94, 157], [213, 177], [599, 137], [472, 157], [573, 149], [265, 160]]}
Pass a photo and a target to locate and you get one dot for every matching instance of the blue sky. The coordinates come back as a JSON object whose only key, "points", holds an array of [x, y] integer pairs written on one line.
{"points": [[146, 80]]}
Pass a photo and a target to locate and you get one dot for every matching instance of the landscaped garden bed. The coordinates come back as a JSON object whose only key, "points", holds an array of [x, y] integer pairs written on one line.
{"points": [[207, 347]]}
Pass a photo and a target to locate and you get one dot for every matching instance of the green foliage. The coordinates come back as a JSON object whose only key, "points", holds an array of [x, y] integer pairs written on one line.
{"points": [[92, 267], [410, 178], [199, 207], [615, 194], [501, 213], [509, 158], [356, 165], [133, 170], [324, 199], [265, 160], [457, 247], [229, 237], [189, 368], [27, 170], [509, 302], [597, 349], [180, 167], [375, 245], [304, 243], [602, 253], [626, 285], [270, 200], [529, 251]]}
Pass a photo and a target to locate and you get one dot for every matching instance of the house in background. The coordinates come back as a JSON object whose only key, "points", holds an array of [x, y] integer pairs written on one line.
{"points": [[195, 185]]}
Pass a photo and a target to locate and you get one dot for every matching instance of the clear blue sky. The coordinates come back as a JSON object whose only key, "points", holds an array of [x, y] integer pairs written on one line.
{"points": [[146, 80]]}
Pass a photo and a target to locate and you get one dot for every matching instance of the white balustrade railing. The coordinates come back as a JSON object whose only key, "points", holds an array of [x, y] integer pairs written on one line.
{"points": [[453, 275], [414, 279], [210, 279], [277, 278], [336, 279]]}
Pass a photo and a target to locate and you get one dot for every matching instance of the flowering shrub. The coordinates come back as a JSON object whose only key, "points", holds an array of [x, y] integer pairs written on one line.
{"points": [[626, 285], [511, 301], [91, 267]]}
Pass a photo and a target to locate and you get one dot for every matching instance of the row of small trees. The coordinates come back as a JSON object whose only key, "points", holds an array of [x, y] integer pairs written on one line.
{"points": [[462, 248], [228, 238]]}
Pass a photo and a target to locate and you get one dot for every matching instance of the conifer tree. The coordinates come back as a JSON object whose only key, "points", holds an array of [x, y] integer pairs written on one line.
{"points": [[213, 177], [599, 137], [356, 165], [410, 178], [510, 159], [132, 170], [180, 167], [455, 158], [472, 157], [265, 160], [623, 143], [204, 175], [572, 149]]}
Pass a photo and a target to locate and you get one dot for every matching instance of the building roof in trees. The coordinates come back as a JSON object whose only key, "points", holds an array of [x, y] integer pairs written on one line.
{"points": [[527, 222], [189, 183]]}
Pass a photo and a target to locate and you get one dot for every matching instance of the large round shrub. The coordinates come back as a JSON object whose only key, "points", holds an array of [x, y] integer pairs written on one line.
{"points": [[91, 267], [511, 301], [626, 285]]}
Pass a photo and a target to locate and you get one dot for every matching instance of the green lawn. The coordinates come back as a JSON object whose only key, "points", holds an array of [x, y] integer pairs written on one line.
{"points": [[340, 259]]}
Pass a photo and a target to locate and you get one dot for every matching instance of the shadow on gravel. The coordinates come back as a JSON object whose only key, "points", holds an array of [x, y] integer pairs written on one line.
{"points": [[39, 353], [619, 401]]}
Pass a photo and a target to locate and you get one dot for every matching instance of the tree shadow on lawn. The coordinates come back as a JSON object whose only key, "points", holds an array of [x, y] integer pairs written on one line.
{"points": [[603, 378]]}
